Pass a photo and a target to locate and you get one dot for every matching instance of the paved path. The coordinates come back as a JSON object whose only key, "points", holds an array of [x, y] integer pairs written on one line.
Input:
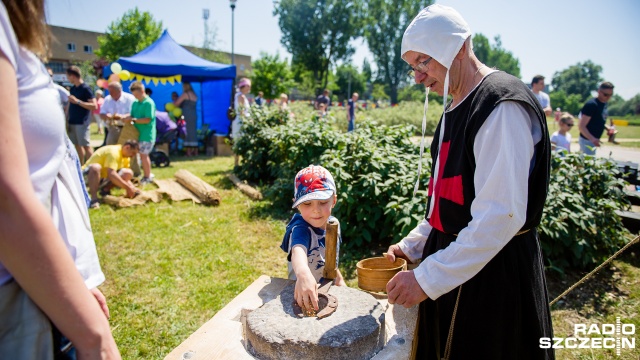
{"points": [[617, 152]]}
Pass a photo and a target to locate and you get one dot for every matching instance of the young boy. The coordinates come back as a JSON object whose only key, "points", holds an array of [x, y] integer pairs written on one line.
{"points": [[304, 240], [561, 139]]}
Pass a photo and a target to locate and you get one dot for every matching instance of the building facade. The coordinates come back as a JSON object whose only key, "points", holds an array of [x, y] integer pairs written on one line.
{"points": [[72, 46]]}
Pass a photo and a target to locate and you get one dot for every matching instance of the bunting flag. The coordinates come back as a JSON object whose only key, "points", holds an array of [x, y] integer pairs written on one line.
{"points": [[155, 79]]}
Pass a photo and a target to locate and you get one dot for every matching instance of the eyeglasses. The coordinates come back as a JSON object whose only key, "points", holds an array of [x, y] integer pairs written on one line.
{"points": [[606, 94], [569, 125], [421, 67]]}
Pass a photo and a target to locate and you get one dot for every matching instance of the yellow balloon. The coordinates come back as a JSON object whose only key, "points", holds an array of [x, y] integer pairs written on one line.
{"points": [[177, 112], [116, 68], [169, 106], [124, 75]]}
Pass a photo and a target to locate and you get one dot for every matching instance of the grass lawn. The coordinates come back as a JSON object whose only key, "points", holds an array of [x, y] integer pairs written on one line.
{"points": [[171, 266]]}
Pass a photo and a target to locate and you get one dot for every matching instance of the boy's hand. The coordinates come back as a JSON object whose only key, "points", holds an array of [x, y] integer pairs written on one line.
{"points": [[306, 292]]}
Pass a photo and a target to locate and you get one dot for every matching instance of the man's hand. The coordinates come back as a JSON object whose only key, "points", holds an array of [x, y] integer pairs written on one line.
{"points": [[596, 142], [73, 99], [306, 292], [403, 289], [395, 251], [102, 301], [131, 192]]}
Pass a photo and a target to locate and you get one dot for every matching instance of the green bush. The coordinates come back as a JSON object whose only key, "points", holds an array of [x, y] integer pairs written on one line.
{"points": [[374, 168], [253, 146], [579, 226]]}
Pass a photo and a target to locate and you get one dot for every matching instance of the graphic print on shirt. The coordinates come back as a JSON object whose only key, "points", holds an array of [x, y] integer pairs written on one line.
{"points": [[449, 188]]}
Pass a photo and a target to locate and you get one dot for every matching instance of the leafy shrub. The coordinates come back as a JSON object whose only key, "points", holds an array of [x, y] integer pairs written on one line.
{"points": [[579, 226], [374, 168], [255, 142]]}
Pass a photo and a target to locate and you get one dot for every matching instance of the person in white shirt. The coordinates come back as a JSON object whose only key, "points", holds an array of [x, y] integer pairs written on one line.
{"points": [[116, 106], [537, 85], [561, 139], [482, 272], [49, 267]]}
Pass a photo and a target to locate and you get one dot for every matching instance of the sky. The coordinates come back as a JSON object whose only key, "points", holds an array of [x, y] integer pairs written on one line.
{"points": [[545, 35]]}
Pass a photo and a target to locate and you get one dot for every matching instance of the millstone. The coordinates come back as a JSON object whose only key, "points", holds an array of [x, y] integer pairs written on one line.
{"points": [[354, 331]]}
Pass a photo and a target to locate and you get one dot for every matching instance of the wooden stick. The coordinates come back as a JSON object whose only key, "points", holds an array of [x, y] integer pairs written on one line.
{"points": [[331, 247], [245, 189], [205, 192]]}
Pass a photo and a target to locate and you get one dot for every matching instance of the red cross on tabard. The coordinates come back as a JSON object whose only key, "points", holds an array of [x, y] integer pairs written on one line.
{"points": [[446, 188]]}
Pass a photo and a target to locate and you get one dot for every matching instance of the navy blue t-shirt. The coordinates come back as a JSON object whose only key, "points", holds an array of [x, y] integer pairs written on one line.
{"points": [[352, 109], [77, 114], [598, 112]]}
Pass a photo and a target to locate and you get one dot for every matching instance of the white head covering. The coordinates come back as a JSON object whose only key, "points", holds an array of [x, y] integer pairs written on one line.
{"points": [[438, 31]]}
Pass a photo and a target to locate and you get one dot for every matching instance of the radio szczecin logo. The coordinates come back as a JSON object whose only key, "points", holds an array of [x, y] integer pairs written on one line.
{"points": [[613, 336]]}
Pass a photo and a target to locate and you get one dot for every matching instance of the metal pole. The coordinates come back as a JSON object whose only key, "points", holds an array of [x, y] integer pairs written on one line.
{"points": [[233, 56]]}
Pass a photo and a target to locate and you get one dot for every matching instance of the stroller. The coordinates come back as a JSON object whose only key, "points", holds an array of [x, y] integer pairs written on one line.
{"points": [[167, 132]]}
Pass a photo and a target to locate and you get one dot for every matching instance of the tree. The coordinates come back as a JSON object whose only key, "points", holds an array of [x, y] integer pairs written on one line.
{"points": [[580, 79], [271, 75], [619, 107], [384, 25], [379, 93], [571, 103], [495, 56], [127, 36], [346, 73], [317, 33], [367, 73]]}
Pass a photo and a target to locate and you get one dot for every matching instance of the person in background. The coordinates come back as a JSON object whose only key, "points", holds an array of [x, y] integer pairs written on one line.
{"points": [[561, 139], [322, 112], [284, 102], [148, 91], [242, 109], [537, 85], [143, 116], [81, 104], [96, 112], [260, 99], [323, 99], [187, 101], [593, 118], [49, 267], [174, 96], [116, 107], [110, 166], [62, 92], [351, 111]]}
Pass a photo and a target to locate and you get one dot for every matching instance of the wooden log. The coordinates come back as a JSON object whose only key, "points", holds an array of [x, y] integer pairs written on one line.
{"points": [[331, 245], [205, 192], [248, 190]]}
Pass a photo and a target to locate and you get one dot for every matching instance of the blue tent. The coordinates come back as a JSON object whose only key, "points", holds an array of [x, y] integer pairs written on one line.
{"points": [[212, 82]]}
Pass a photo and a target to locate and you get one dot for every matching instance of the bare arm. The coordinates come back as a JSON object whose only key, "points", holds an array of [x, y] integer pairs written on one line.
{"points": [[31, 247], [182, 98], [89, 105], [117, 180], [548, 111], [582, 126], [306, 290]]}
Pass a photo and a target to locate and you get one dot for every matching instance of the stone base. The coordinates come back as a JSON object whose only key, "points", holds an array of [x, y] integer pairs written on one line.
{"points": [[354, 331]]}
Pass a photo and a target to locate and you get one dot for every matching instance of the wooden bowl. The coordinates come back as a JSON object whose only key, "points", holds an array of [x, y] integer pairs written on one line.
{"points": [[375, 273]]}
